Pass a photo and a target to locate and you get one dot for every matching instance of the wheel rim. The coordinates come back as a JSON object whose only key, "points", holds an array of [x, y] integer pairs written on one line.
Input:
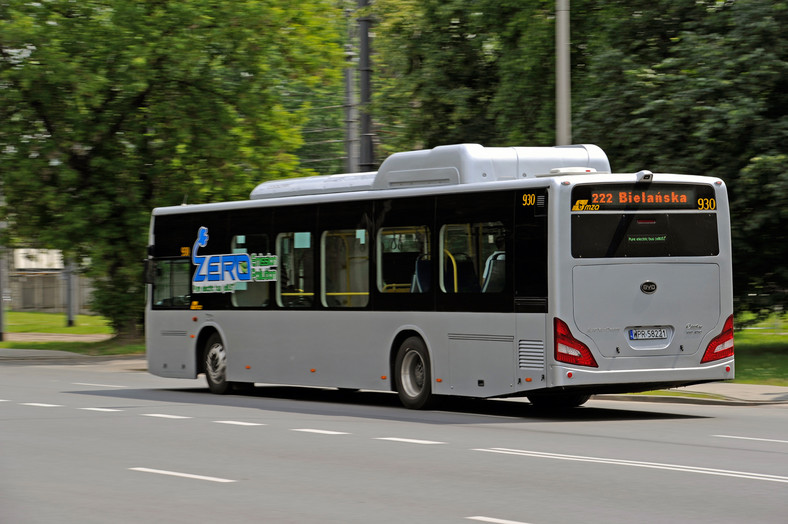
{"points": [[413, 374], [216, 363]]}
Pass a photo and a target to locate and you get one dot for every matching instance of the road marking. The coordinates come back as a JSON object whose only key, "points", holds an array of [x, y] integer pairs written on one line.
{"points": [[39, 405], [3, 400], [321, 431], [96, 385], [162, 415], [103, 410], [409, 440], [238, 423], [183, 475], [495, 521], [752, 438], [639, 464]]}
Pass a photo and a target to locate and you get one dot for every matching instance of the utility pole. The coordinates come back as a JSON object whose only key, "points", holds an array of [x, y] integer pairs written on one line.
{"points": [[367, 161], [351, 108], [563, 96]]}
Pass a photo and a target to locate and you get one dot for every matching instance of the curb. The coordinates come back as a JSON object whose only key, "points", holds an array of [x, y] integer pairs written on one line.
{"points": [[672, 399]]}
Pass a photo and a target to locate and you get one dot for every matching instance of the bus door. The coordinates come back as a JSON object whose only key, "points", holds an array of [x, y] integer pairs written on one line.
{"points": [[474, 290]]}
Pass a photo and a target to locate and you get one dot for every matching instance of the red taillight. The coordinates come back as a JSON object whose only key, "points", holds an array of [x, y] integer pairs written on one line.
{"points": [[721, 346], [568, 349]]}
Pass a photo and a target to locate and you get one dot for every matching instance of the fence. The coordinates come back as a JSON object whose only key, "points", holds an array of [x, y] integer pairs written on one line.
{"points": [[46, 291]]}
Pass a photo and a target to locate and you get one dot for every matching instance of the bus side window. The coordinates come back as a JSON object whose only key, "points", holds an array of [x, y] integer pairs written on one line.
{"points": [[295, 287], [345, 268], [251, 294], [404, 260], [473, 257]]}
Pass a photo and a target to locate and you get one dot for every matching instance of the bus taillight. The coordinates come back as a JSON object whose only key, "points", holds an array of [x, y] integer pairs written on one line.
{"points": [[721, 346], [568, 349]]}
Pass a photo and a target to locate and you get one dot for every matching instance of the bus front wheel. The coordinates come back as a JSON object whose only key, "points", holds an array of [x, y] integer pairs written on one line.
{"points": [[215, 363], [412, 373]]}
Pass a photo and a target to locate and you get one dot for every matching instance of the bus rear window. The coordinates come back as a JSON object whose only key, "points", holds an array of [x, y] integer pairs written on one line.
{"points": [[644, 235]]}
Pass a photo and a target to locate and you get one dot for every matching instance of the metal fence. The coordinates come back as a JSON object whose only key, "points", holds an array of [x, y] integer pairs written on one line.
{"points": [[47, 291]]}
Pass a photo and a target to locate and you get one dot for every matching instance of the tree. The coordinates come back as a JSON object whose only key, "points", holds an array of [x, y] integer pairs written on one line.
{"points": [[688, 86], [111, 108]]}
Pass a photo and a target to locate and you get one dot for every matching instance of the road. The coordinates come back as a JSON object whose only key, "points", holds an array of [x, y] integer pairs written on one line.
{"points": [[95, 444]]}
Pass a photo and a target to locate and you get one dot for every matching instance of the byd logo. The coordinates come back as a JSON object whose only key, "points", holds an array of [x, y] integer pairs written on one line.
{"points": [[648, 287]]}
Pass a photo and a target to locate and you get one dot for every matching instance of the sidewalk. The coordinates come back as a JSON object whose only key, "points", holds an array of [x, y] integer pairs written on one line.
{"points": [[52, 337], [726, 393]]}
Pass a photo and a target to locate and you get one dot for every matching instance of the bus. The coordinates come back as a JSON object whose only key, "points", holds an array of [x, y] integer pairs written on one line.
{"points": [[462, 270]]}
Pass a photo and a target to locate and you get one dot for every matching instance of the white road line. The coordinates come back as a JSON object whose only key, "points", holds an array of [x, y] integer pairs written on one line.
{"points": [[183, 475], [237, 423], [3, 400], [96, 385], [40, 405], [409, 440], [753, 438], [495, 521], [321, 431], [638, 464], [103, 410], [162, 415]]}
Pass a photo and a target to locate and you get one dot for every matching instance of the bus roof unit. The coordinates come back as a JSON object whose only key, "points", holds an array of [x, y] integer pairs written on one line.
{"points": [[445, 165]]}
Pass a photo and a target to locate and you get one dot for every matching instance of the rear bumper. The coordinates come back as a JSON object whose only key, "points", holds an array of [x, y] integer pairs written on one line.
{"points": [[593, 379]]}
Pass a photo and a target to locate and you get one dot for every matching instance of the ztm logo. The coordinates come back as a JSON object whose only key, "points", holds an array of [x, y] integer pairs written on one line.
{"points": [[579, 205]]}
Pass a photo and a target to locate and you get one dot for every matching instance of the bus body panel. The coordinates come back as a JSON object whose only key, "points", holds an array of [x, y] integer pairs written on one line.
{"points": [[680, 306]]}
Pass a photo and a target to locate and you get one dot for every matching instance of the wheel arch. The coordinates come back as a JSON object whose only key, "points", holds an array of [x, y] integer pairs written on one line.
{"points": [[199, 345]]}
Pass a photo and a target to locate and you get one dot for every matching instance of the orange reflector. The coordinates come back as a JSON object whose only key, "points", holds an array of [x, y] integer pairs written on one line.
{"points": [[248, 367], [383, 377], [313, 370], [528, 379], [192, 336], [438, 380]]}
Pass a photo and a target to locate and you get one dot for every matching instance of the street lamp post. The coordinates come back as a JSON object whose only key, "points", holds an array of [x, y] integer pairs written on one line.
{"points": [[563, 100]]}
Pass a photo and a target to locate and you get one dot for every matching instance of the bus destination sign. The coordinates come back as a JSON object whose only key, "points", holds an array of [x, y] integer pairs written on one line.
{"points": [[614, 197]]}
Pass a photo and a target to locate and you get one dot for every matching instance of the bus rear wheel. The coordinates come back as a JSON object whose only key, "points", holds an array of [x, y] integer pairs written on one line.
{"points": [[215, 364], [412, 372]]}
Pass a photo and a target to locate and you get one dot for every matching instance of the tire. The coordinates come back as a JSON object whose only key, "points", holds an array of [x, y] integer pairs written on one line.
{"points": [[412, 374], [558, 401], [215, 364]]}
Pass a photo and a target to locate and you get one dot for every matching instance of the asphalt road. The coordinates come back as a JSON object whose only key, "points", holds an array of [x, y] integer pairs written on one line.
{"points": [[92, 443]]}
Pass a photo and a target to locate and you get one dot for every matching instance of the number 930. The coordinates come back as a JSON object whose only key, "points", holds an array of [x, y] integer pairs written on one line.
{"points": [[707, 204]]}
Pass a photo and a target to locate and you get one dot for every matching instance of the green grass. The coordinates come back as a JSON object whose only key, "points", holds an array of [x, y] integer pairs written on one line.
{"points": [[16, 322]]}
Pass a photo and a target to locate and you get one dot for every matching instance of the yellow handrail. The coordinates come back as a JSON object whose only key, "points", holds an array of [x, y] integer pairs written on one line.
{"points": [[454, 264]]}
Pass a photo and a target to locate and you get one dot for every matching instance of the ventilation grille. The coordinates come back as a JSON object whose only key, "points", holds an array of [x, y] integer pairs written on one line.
{"points": [[531, 354]]}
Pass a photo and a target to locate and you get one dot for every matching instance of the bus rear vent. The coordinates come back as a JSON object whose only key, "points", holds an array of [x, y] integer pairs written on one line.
{"points": [[531, 354]]}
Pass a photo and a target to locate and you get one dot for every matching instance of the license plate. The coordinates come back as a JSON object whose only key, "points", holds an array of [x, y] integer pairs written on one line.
{"points": [[648, 334]]}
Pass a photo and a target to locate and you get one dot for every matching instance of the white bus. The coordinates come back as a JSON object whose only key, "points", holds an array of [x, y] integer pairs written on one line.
{"points": [[460, 270]]}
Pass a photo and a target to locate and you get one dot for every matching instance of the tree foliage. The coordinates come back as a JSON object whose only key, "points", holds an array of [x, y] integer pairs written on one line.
{"points": [[688, 86], [111, 108]]}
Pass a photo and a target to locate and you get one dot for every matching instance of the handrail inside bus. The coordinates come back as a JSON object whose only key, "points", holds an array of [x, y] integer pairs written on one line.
{"points": [[454, 265]]}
